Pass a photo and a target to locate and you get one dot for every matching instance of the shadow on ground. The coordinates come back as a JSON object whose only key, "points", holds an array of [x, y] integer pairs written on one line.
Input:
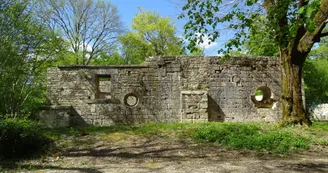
{"points": [[160, 155]]}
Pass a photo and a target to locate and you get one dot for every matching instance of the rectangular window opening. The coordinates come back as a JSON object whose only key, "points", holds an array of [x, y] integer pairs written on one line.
{"points": [[103, 86]]}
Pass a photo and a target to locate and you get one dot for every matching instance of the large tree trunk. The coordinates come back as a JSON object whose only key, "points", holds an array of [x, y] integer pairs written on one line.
{"points": [[293, 111]]}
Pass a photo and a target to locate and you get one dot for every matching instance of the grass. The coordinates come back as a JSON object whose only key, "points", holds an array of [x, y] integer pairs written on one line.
{"points": [[269, 138], [253, 136], [145, 130]]}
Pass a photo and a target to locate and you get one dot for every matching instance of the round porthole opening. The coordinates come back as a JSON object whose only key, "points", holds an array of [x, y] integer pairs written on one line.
{"points": [[131, 100], [262, 93]]}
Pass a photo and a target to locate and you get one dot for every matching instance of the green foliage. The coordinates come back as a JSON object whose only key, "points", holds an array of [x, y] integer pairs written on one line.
{"points": [[158, 31], [279, 19], [151, 35], [251, 136], [26, 47], [66, 56], [203, 21], [259, 41], [220, 132], [320, 126], [21, 138], [198, 51], [316, 74], [316, 80], [258, 93], [112, 59], [321, 51], [135, 49], [70, 58]]}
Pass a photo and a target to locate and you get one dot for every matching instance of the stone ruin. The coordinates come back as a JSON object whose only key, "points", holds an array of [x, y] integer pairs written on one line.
{"points": [[165, 89]]}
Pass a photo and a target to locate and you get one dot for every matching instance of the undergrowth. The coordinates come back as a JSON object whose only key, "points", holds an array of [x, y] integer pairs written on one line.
{"points": [[21, 138]]}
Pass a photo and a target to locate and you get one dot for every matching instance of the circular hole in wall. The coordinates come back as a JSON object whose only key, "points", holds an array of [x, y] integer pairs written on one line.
{"points": [[131, 100], [262, 93]]}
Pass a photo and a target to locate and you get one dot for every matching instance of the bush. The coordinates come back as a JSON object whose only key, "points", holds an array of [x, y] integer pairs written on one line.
{"points": [[21, 138]]}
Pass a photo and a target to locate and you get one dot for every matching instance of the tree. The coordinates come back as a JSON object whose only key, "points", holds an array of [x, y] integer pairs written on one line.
{"points": [[198, 51], [113, 59], [134, 48], [321, 51], [151, 35], [316, 80], [259, 42], [316, 74], [91, 27], [294, 24], [26, 47]]}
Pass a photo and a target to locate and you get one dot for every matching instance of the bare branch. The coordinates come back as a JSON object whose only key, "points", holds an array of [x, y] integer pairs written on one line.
{"points": [[86, 24]]}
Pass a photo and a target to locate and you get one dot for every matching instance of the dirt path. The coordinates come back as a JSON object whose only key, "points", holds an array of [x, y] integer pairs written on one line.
{"points": [[131, 153]]}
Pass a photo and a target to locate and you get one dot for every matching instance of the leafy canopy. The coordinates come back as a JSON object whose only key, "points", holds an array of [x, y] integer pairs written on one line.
{"points": [[26, 48], [151, 35], [211, 18]]}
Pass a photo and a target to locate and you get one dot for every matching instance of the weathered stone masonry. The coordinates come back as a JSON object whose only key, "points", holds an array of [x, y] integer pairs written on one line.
{"points": [[165, 89]]}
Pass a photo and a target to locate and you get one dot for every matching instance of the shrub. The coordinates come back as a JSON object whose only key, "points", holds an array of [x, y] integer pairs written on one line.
{"points": [[21, 138]]}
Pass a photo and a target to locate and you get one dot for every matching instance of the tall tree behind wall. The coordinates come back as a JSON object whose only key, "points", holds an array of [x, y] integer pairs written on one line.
{"points": [[90, 26], [257, 42], [150, 35]]}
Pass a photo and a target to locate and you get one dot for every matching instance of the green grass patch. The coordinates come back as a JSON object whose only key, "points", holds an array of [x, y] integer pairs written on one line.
{"points": [[319, 126], [145, 129], [252, 136]]}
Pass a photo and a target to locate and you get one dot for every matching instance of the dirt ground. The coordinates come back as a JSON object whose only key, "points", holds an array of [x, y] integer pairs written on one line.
{"points": [[131, 153]]}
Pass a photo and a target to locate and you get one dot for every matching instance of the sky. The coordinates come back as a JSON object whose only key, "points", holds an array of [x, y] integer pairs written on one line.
{"points": [[171, 8]]}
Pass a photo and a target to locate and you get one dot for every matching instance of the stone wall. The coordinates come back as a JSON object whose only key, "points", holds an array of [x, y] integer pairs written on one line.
{"points": [[169, 89], [233, 84], [319, 112]]}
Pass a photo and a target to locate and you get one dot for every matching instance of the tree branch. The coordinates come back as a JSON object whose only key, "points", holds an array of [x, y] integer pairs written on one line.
{"points": [[323, 34], [320, 21]]}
